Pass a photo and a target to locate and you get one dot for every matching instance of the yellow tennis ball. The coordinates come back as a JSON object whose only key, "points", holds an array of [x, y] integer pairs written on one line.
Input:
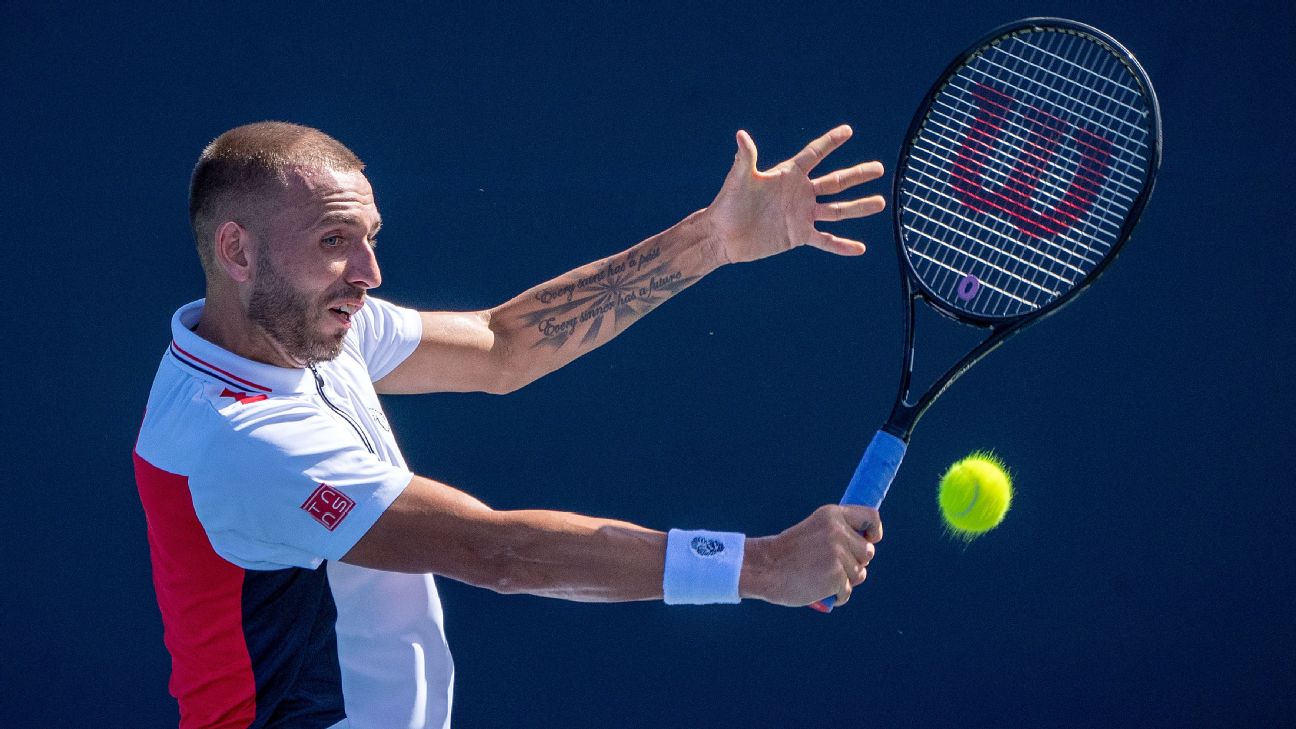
{"points": [[975, 493]]}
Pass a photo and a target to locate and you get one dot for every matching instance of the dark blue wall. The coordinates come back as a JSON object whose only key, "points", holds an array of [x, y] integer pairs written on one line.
{"points": [[1143, 577]]}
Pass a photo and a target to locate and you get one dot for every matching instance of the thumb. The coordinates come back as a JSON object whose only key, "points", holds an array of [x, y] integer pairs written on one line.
{"points": [[745, 159]]}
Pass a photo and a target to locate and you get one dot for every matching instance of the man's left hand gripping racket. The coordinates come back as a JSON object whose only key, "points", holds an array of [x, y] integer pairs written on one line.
{"points": [[1023, 173]]}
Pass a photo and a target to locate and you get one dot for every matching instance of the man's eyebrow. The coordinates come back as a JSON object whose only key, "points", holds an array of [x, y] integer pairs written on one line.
{"points": [[340, 218]]}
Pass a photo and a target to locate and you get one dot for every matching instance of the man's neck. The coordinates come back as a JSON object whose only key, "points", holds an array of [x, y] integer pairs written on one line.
{"points": [[224, 322]]}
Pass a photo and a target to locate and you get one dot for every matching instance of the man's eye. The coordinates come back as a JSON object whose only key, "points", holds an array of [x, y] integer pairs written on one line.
{"points": [[333, 241]]}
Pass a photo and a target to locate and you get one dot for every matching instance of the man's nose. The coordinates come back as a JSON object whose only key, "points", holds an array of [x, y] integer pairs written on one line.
{"points": [[364, 271]]}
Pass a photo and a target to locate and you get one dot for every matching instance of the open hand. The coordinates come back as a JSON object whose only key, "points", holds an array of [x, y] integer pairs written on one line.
{"points": [[758, 214]]}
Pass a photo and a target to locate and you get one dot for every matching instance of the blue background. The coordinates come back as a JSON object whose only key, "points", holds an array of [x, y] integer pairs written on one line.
{"points": [[1143, 577]]}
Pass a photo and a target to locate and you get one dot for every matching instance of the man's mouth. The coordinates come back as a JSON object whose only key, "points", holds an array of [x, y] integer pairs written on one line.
{"points": [[344, 312]]}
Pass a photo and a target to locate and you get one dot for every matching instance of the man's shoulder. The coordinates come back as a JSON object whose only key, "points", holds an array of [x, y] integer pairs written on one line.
{"points": [[191, 419], [384, 335]]}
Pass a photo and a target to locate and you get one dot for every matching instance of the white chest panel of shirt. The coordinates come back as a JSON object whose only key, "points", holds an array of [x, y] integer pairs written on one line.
{"points": [[396, 640], [356, 404], [406, 658]]}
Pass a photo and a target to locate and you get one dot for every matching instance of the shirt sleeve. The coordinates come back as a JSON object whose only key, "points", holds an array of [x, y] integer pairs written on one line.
{"points": [[386, 334], [289, 486]]}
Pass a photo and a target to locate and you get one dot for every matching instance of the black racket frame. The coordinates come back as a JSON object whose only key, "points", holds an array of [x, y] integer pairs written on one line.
{"points": [[904, 414]]}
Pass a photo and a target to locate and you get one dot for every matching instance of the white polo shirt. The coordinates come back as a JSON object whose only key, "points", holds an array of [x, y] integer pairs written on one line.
{"points": [[255, 480]]}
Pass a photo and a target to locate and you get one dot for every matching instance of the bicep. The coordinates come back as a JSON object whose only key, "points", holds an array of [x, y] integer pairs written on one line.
{"points": [[430, 527], [458, 352]]}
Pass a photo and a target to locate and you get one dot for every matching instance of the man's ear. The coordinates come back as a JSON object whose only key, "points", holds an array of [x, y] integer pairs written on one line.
{"points": [[232, 249]]}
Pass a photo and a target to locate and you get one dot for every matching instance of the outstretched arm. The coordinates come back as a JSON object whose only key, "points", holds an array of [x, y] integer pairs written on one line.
{"points": [[432, 527], [755, 215]]}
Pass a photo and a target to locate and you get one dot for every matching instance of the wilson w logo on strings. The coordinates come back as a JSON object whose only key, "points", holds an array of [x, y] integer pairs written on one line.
{"points": [[1036, 138]]}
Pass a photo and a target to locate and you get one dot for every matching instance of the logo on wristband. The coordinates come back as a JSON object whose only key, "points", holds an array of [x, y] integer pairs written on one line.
{"points": [[706, 547]]}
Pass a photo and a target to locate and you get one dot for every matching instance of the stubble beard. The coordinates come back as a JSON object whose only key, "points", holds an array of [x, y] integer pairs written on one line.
{"points": [[291, 318]]}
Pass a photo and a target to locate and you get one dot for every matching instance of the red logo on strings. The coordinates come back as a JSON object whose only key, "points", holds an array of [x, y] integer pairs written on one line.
{"points": [[328, 506], [1041, 135]]}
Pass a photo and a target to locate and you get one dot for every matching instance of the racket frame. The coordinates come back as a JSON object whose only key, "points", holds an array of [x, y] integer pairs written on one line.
{"points": [[905, 414]]}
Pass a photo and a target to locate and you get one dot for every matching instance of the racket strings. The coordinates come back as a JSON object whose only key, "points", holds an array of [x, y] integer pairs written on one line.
{"points": [[1064, 243], [1075, 101], [1031, 149], [1020, 180], [1060, 278], [989, 108], [952, 121], [1064, 280], [1075, 247], [1022, 211], [1066, 263]]}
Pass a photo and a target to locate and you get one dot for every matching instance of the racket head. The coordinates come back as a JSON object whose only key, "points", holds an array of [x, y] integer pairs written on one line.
{"points": [[1024, 171]]}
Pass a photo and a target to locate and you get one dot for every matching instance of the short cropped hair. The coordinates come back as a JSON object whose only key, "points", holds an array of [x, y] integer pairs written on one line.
{"points": [[247, 167]]}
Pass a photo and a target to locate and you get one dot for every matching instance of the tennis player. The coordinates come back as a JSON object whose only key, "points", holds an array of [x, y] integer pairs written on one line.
{"points": [[293, 550]]}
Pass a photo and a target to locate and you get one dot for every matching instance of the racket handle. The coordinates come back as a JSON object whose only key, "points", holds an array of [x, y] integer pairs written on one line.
{"points": [[873, 476]]}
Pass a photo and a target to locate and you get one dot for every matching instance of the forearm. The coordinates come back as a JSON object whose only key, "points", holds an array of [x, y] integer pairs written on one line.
{"points": [[436, 528], [755, 215], [545, 327], [575, 557]]}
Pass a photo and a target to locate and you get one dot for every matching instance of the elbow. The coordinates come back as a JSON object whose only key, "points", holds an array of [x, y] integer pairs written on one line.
{"points": [[511, 565], [502, 573], [506, 585], [513, 369], [508, 366], [506, 382]]}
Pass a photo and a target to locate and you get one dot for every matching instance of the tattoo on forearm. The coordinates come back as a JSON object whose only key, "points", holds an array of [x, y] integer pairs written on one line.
{"points": [[626, 288]]}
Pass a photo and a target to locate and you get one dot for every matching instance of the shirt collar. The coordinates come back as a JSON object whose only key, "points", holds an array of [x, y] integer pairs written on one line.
{"points": [[217, 363]]}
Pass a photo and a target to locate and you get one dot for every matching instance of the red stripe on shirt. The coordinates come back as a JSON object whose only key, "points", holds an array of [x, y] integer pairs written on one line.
{"points": [[200, 596], [205, 363]]}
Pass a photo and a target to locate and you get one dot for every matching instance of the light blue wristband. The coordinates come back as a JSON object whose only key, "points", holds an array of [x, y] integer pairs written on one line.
{"points": [[702, 567]]}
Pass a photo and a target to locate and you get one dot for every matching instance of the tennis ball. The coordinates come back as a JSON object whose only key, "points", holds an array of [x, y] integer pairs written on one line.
{"points": [[975, 493]]}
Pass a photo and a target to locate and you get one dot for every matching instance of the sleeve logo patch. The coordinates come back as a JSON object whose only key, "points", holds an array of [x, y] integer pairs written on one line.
{"points": [[328, 506], [706, 547]]}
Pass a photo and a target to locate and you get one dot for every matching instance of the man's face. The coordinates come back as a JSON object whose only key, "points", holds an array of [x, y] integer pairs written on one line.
{"points": [[314, 263]]}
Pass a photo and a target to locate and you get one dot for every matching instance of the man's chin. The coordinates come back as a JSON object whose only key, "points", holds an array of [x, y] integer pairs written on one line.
{"points": [[328, 349], [320, 349]]}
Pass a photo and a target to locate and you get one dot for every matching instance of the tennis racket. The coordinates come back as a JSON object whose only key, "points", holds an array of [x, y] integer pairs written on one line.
{"points": [[1022, 175]]}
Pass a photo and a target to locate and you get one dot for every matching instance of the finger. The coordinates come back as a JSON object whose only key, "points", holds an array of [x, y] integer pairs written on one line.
{"points": [[745, 159], [865, 520], [860, 575], [843, 594], [861, 549], [847, 209], [814, 152], [834, 244], [847, 568], [835, 182]]}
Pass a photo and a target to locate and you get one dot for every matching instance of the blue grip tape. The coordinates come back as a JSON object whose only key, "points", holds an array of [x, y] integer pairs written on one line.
{"points": [[876, 471], [873, 476]]}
